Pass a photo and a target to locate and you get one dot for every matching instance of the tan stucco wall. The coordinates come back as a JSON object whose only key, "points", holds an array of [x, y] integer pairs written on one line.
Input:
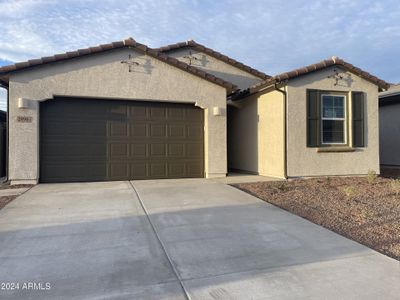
{"points": [[217, 67], [103, 75], [303, 161], [256, 134], [243, 135], [389, 127], [271, 136]]}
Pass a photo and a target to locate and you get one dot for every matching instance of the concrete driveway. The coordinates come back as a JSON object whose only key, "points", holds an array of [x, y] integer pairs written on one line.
{"points": [[177, 239]]}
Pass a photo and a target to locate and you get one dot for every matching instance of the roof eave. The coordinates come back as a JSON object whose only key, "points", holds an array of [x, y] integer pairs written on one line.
{"points": [[334, 61], [128, 43]]}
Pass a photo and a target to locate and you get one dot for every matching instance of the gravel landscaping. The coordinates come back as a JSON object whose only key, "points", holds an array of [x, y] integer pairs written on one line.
{"points": [[365, 209], [4, 198]]}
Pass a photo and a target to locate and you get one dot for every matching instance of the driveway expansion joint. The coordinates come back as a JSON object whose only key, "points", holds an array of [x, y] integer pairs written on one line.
{"points": [[180, 280]]}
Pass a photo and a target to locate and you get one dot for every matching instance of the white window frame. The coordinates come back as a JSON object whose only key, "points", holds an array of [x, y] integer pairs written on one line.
{"points": [[344, 119]]}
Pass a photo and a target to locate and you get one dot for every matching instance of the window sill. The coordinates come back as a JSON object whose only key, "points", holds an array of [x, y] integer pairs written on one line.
{"points": [[335, 149]]}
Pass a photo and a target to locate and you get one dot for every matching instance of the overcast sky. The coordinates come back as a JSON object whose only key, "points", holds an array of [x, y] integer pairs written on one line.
{"points": [[272, 36]]}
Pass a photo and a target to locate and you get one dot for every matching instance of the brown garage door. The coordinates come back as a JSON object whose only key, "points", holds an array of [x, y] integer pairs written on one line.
{"points": [[98, 140]]}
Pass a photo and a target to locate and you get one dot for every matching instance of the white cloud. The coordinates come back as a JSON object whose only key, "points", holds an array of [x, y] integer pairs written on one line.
{"points": [[274, 36]]}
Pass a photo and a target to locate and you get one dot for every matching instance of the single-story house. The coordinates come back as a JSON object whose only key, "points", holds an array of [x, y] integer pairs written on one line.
{"points": [[389, 126], [124, 111]]}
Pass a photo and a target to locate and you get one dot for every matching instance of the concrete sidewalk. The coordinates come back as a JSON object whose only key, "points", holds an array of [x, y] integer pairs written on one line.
{"points": [[194, 238]]}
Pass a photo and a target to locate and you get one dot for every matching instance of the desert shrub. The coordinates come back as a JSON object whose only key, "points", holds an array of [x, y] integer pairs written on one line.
{"points": [[395, 186], [350, 191], [282, 186], [372, 176], [328, 180]]}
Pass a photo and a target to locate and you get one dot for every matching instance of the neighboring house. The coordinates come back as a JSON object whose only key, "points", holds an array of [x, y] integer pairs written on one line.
{"points": [[124, 111], [3, 143], [320, 120], [389, 126]]}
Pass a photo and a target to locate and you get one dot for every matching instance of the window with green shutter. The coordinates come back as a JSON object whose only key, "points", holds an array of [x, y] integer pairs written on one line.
{"points": [[328, 118]]}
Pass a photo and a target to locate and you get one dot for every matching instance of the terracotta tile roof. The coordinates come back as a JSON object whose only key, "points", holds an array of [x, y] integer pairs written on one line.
{"points": [[128, 43], [334, 61], [213, 53]]}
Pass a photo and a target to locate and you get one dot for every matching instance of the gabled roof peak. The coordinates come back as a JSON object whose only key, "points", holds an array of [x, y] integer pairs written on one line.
{"points": [[333, 61], [215, 54]]}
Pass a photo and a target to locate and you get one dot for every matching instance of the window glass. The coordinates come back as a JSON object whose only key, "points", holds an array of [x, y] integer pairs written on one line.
{"points": [[333, 119], [332, 131], [332, 106]]}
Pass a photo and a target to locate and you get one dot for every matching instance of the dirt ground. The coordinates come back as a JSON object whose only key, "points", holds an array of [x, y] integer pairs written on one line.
{"points": [[4, 200], [367, 211], [6, 186]]}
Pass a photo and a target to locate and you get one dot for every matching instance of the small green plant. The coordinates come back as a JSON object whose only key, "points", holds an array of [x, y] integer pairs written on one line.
{"points": [[372, 176], [395, 186], [350, 191], [282, 186], [328, 180]]}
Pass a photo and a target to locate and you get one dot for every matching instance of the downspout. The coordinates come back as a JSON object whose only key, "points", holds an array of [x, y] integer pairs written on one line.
{"points": [[284, 128], [6, 86]]}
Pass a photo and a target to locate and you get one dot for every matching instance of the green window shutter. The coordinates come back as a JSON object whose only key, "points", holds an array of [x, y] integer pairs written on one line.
{"points": [[358, 119], [313, 118]]}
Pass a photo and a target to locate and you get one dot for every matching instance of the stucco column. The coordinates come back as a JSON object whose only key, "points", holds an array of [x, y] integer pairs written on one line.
{"points": [[216, 143], [23, 141]]}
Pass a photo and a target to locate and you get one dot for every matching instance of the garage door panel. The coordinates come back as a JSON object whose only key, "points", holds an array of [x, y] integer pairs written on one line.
{"points": [[194, 115], [118, 170], [61, 150], [75, 128], [176, 170], [158, 113], [177, 131], [158, 130], [194, 170], [93, 140], [194, 151], [138, 130], [118, 129], [177, 150], [139, 170], [157, 150], [195, 131], [176, 114], [139, 150], [117, 111], [158, 170], [74, 171], [138, 112], [118, 151]]}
